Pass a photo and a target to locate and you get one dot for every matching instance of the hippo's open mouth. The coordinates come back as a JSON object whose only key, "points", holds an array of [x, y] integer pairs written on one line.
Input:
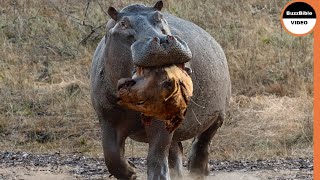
{"points": [[157, 52]]}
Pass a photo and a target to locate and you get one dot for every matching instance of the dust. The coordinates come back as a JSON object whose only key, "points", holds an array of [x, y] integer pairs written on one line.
{"points": [[23, 173]]}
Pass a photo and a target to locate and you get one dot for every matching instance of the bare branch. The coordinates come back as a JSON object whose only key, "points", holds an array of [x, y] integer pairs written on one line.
{"points": [[84, 40], [73, 18], [81, 22], [62, 12], [86, 9], [102, 8]]}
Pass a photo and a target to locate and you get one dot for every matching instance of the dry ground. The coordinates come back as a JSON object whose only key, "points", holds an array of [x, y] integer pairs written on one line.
{"points": [[46, 49], [22, 165]]}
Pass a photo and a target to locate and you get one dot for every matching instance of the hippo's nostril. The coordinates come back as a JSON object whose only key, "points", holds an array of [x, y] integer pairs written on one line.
{"points": [[170, 37], [156, 39]]}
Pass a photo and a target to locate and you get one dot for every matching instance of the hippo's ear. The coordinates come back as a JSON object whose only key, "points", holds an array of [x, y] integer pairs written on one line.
{"points": [[158, 6], [113, 13]]}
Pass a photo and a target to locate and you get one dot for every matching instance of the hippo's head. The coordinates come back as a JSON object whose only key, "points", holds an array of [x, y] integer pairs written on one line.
{"points": [[163, 93], [145, 31]]}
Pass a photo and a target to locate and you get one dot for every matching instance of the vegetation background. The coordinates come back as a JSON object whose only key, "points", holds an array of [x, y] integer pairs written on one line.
{"points": [[46, 49]]}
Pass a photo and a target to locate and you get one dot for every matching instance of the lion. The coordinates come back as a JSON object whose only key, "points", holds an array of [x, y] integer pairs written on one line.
{"points": [[158, 93]]}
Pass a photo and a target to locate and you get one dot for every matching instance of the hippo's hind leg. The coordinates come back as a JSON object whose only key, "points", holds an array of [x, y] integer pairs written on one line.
{"points": [[198, 158], [175, 160], [113, 141]]}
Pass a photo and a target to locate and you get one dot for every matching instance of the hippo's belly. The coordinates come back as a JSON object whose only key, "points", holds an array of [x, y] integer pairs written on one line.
{"points": [[208, 103]]}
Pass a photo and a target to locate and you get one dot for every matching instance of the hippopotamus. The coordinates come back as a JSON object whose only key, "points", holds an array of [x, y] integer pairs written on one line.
{"points": [[159, 93], [129, 33]]}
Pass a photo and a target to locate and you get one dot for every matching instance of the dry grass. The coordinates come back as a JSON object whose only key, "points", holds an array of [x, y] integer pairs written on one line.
{"points": [[266, 126], [46, 54]]}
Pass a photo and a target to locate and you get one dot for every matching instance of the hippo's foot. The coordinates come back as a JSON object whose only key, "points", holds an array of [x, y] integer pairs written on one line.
{"points": [[130, 176], [198, 160], [158, 170], [175, 160], [118, 167]]}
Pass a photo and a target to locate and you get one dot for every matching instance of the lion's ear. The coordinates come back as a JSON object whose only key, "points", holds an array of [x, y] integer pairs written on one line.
{"points": [[169, 88]]}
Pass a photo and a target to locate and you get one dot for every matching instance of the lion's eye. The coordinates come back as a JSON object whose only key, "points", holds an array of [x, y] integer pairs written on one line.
{"points": [[141, 102]]}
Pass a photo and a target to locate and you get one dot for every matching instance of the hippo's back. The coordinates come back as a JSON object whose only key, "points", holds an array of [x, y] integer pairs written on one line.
{"points": [[210, 77]]}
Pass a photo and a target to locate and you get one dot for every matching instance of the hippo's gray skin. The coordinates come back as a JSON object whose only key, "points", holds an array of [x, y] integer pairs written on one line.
{"points": [[113, 60]]}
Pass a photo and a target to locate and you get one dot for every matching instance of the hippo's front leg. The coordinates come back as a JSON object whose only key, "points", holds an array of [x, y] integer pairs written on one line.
{"points": [[159, 143], [113, 141]]}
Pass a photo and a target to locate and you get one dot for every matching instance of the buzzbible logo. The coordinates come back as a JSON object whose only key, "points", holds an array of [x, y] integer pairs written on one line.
{"points": [[298, 18]]}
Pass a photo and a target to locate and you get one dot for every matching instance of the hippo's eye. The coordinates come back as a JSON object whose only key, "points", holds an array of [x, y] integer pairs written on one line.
{"points": [[124, 24], [158, 17]]}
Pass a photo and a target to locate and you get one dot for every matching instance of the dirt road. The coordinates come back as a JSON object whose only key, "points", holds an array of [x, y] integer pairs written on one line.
{"points": [[21, 165]]}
